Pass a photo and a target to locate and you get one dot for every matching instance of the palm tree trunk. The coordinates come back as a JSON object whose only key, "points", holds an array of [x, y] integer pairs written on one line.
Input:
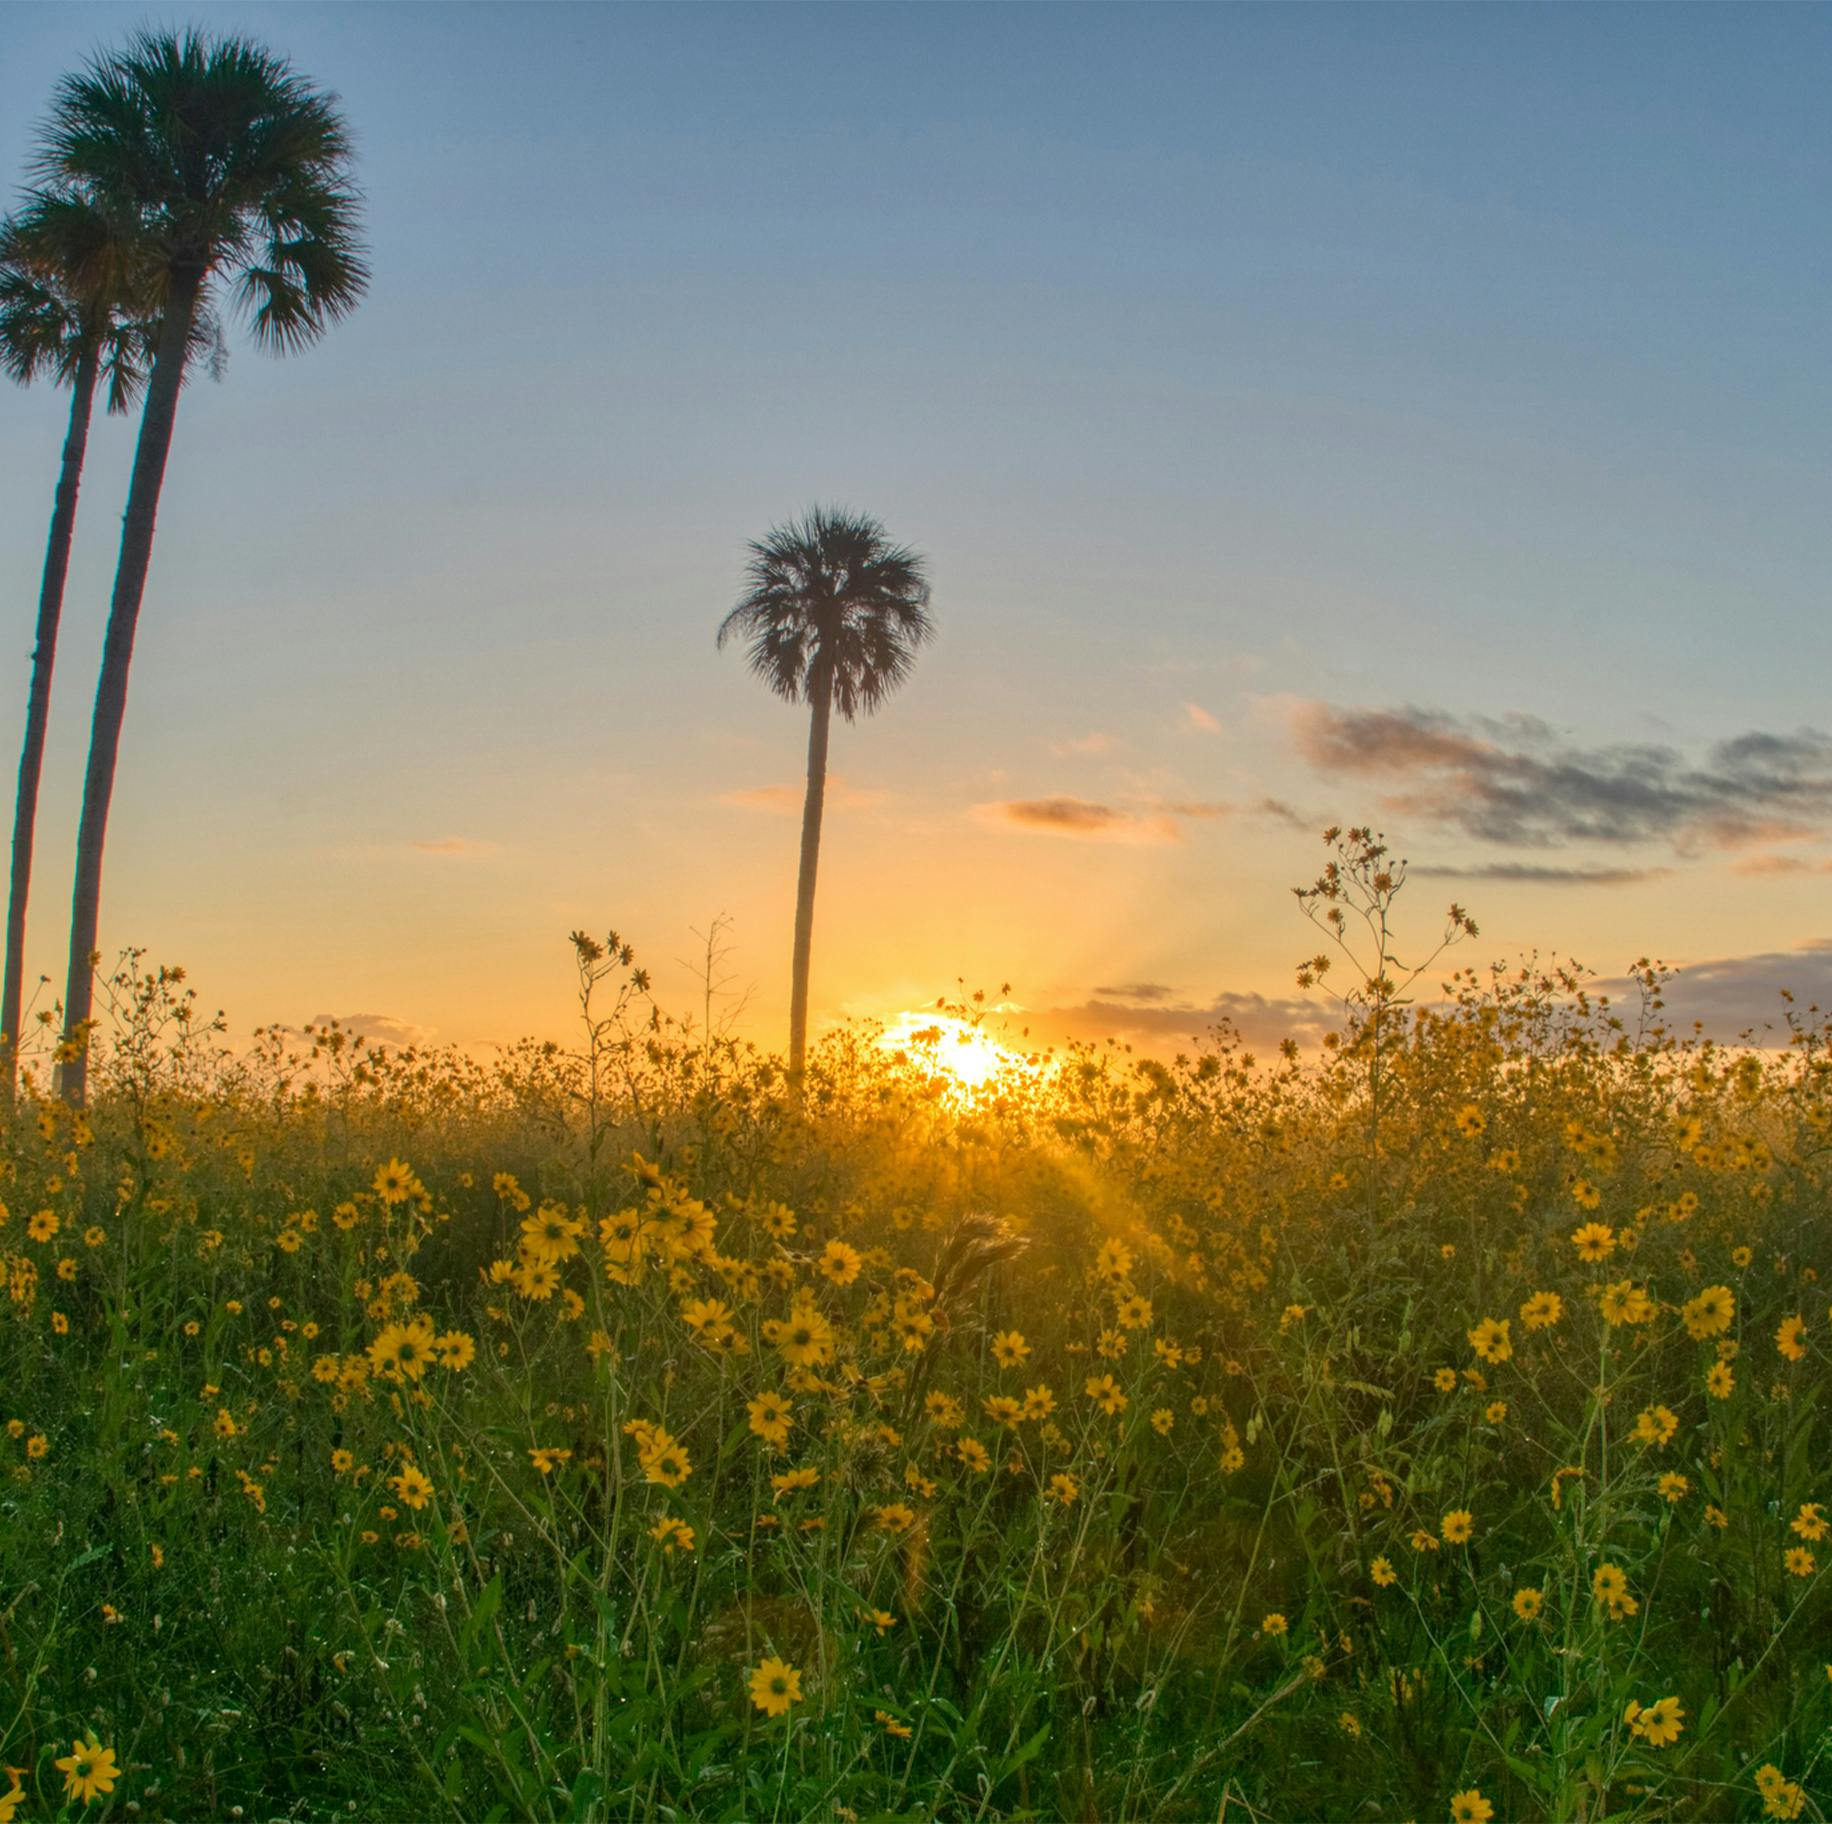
{"points": [[38, 712], [117, 656], [812, 806]]}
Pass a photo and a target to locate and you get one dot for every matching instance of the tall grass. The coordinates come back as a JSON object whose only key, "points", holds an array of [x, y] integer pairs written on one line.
{"points": [[614, 1433]]}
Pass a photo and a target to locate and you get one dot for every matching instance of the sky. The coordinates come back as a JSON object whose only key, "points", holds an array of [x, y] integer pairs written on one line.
{"points": [[1413, 416]]}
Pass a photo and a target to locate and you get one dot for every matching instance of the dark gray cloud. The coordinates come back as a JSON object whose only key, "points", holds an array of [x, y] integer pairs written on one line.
{"points": [[1532, 874], [1512, 780], [1136, 991], [1733, 995], [1161, 1023]]}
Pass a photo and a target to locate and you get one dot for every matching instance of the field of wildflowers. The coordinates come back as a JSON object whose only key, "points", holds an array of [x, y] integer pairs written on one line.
{"points": [[1425, 1429]]}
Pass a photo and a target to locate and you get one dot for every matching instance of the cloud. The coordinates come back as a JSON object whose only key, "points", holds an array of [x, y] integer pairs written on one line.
{"points": [[457, 848], [1195, 716], [1079, 818], [1289, 815], [1512, 780], [377, 1028], [1157, 1019], [1732, 995], [1779, 864], [787, 800], [1531, 874], [1085, 747]]}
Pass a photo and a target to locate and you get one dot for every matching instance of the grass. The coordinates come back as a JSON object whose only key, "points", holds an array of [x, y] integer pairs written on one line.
{"points": [[616, 1434]]}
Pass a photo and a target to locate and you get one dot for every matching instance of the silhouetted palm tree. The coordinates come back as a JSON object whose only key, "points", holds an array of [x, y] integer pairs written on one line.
{"points": [[67, 314], [833, 614], [234, 171]]}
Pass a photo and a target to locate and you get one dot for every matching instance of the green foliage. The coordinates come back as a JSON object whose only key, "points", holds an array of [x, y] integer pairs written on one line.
{"points": [[1330, 1541]]}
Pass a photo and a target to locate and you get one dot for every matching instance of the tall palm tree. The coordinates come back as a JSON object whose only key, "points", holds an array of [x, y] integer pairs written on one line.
{"points": [[236, 173], [832, 614], [66, 314]]}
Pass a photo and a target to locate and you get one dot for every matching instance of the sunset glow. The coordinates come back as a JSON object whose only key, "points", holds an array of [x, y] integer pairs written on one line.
{"points": [[916, 911], [953, 1048]]}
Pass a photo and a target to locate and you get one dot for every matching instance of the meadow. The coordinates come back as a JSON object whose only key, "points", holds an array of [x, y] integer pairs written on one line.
{"points": [[1428, 1428]]}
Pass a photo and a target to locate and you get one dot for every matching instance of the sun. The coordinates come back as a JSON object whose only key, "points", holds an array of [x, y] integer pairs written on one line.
{"points": [[952, 1048]]}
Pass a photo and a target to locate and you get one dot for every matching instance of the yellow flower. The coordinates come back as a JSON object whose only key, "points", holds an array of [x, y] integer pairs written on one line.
{"points": [[1710, 1314], [1659, 1724], [1623, 1302], [771, 1416], [1528, 1603], [1471, 1122], [413, 1487], [1673, 1486], [1105, 1392], [1134, 1313], [1470, 1808], [840, 1263], [1799, 1561], [1064, 1488], [1274, 1624], [1383, 1573], [1788, 1338], [394, 1182], [1720, 1380], [1594, 1241], [775, 1685], [1457, 1526], [892, 1726], [806, 1339], [403, 1352], [1810, 1522], [1542, 1310], [89, 1771], [1491, 1341], [1609, 1585], [1009, 1348], [1114, 1261]]}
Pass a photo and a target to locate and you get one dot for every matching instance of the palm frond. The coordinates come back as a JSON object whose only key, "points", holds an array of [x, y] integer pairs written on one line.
{"points": [[829, 597], [230, 165]]}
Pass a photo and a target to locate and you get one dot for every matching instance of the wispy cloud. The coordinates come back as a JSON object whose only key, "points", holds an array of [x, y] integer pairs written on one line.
{"points": [[1196, 717], [1530, 874], [1084, 747], [1079, 818], [377, 1028], [1780, 864], [1513, 780], [457, 848]]}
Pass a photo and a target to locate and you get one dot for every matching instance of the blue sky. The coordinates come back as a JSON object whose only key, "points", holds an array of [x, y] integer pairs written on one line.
{"points": [[1272, 361]]}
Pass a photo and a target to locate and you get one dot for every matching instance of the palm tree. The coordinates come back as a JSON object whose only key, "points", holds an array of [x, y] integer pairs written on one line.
{"points": [[234, 172], [66, 314], [833, 613]]}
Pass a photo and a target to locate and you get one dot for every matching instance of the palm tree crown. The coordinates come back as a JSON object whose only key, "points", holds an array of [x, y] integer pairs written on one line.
{"points": [[227, 162], [830, 593], [68, 283]]}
